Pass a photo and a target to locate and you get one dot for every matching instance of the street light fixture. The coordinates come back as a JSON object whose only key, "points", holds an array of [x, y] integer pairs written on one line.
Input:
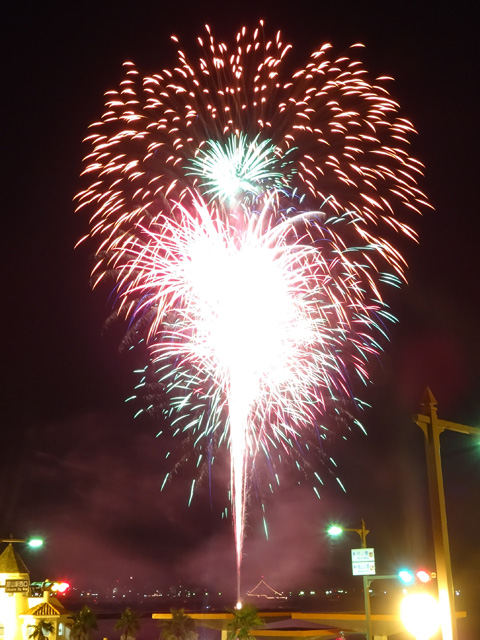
{"points": [[31, 542], [35, 543], [336, 530]]}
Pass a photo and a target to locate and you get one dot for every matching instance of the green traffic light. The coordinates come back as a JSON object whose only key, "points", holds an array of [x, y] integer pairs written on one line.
{"points": [[406, 576]]}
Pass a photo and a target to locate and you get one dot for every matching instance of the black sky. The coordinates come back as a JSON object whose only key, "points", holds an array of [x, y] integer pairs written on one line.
{"points": [[75, 467]]}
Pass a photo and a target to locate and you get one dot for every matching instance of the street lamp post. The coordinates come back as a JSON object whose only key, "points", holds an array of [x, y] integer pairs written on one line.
{"points": [[432, 427], [335, 531], [31, 542]]}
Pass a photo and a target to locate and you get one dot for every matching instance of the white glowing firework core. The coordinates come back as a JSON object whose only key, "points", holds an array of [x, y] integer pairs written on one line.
{"points": [[246, 312]]}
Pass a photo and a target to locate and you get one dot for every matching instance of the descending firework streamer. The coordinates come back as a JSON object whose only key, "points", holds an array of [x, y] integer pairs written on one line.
{"points": [[248, 217]]}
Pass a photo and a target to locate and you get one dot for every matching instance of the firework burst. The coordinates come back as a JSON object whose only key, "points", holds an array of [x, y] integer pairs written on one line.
{"points": [[239, 170], [247, 215]]}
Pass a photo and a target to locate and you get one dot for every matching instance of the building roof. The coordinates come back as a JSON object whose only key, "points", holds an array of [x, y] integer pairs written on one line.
{"points": [[46, 610], [263, 590], [11, 562]]}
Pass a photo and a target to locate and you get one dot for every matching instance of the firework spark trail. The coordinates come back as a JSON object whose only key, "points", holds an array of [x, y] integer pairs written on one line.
{"points": [[247, 217]]}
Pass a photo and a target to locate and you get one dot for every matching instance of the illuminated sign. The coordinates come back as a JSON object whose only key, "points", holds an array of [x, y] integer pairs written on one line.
{"points": [[363, 562], [17, 586]]}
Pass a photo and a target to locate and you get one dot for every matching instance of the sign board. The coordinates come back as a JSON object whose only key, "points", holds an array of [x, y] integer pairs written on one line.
{"points": [[363, 562], [17, 586]]}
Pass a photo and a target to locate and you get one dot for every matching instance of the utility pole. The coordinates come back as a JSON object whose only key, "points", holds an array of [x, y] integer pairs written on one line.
{"points": [[432, 427], [366, 581]]}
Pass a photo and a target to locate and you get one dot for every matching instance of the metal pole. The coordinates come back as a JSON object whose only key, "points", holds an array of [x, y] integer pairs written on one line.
{"points": [[366, 585], [366, 593], [446, 597]]}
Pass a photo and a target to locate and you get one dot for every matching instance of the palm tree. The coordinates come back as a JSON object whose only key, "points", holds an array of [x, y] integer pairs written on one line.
{"points": [[180, 627], [83, 624], [129, 623], [244, 620], [42, 629]]}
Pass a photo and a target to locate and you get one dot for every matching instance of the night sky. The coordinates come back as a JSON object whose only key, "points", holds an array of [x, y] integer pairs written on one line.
{"points": [[76, 468]]}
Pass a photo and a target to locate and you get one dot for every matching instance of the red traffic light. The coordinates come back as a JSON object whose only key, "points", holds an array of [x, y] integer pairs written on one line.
{"points": [[424, 576]]}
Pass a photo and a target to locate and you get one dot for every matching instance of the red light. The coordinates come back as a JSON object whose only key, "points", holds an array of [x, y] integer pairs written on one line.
{"points": [[423, 576], [60, 587]]}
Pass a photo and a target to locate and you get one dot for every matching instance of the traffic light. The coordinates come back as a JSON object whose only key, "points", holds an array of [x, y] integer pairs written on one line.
{"points": [[424, 576], [409, 577], [406, 576], [60, 587]]}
